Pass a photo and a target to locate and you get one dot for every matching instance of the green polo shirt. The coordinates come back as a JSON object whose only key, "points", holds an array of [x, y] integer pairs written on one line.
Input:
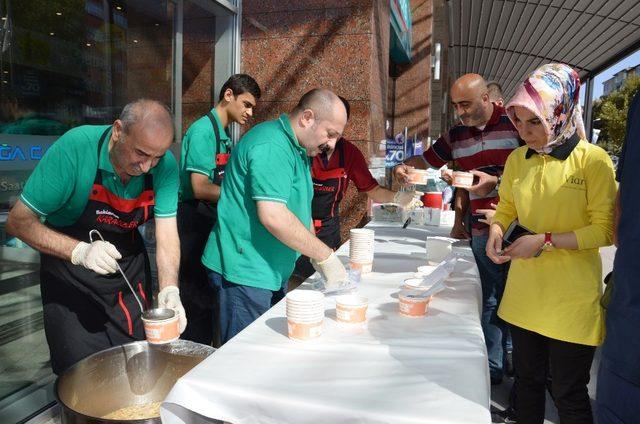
{"points": [[199, 150], [268, 164], [59, 186]]}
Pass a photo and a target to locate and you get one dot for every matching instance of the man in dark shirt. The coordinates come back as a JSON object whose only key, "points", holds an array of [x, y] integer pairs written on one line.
{"points": [[619, 375]]}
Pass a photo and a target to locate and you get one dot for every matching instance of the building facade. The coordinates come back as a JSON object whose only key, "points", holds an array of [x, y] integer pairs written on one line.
{"points": [[375, 54], [617, 80]]}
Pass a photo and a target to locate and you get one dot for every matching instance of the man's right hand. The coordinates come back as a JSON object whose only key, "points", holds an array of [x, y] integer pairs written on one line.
{"points": [[331, 270], [458, 231], [401, 173], [99, 256]]}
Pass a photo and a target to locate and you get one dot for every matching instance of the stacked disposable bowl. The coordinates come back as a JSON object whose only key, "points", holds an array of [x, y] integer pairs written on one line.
{"points": [[361, 249], [305, 314]]}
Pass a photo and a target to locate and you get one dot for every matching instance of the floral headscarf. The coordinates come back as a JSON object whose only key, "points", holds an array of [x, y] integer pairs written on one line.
{"points": [[552, 93]]}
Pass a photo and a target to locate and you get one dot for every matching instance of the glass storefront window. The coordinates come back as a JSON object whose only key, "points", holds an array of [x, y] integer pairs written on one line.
{"points": [[198, 63], [65, 63]]}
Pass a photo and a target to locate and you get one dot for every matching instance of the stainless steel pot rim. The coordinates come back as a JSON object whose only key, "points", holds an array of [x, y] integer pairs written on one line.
{"points": [[179, 347]]}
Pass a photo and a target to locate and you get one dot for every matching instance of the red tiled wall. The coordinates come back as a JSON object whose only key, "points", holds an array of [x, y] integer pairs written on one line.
{"points": [[290, 47]]}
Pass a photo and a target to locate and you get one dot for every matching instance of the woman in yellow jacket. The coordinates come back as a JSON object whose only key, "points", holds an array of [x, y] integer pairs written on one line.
{"points": [[562, 188]]}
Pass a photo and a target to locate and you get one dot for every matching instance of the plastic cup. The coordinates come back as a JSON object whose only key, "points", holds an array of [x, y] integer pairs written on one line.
{"points": [[411, 306], [161, 325], [305, 296], [358, 231], [304, 331], [462, 179], [306, 319], [305, 312], [361, 259], [351, 309], [413, 284], [364, 268], [361, 247], [418, 176], [312, 307]]}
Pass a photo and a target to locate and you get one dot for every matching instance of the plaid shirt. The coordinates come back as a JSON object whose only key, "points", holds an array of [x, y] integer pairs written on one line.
{"points": [[485, 150]]}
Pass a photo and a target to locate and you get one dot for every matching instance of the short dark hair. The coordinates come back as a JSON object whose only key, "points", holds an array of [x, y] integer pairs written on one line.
{"points": [[320, 100], [345, 102], [241, 83]]}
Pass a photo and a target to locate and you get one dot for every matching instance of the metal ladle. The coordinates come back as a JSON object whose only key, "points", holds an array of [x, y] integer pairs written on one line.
{"points": [[96, 232]]}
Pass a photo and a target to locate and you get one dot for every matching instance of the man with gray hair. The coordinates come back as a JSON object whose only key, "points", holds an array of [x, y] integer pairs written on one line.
{"points": [[480, 144], [264, 211], [109, 178]]}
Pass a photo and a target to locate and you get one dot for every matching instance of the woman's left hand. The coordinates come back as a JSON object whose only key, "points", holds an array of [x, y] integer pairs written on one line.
{"points": [[525, 247]]}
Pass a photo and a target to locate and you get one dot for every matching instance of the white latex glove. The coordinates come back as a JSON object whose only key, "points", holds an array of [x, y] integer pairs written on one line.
{"points": [[331, 270], [407, 199], [169, 297], [99, 256]]}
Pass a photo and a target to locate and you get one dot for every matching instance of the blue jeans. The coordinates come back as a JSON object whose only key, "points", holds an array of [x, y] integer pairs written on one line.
{"points": [[618, 400], [493, 278], [240, 305]]}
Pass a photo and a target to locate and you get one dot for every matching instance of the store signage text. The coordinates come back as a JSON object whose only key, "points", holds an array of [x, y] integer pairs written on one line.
{"points": [[11, 186], [17, 153]]}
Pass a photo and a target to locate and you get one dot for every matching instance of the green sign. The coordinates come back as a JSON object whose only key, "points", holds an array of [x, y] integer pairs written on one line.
{"points": [[400, 43]]}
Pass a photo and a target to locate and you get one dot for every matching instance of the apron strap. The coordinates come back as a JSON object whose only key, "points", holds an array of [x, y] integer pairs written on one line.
{"points": [[220, 159], [98, 178], [148, 181], [216, 132]]}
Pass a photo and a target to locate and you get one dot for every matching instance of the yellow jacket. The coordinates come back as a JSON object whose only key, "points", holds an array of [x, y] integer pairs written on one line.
{"points": [[557, 294]]}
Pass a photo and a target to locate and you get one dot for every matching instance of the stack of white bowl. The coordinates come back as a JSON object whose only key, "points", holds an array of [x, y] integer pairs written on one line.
{"points": [[361, 249], [305, 314]]}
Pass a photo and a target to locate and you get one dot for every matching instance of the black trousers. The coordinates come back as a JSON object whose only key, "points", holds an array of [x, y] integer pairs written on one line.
{"points": [[195, 221], [569, 365]]}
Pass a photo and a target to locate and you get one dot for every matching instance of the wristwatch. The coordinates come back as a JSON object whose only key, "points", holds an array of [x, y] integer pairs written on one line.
{"points": [[548, 243]]}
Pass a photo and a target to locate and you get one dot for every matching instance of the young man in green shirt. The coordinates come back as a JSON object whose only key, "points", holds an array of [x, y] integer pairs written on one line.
{"points": [[110, 178], [205, 151], [264, 211]]}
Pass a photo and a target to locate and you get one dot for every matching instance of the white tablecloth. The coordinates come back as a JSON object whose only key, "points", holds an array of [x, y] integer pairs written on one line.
{"points": [[398, 370]]}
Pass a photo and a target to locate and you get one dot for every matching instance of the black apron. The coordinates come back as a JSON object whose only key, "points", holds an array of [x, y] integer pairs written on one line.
{"points": [[328, 190], [196, 219], [85, 312]]}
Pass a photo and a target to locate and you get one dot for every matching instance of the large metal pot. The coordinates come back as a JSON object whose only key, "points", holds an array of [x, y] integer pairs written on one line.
{"points": [[133, 374]]}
